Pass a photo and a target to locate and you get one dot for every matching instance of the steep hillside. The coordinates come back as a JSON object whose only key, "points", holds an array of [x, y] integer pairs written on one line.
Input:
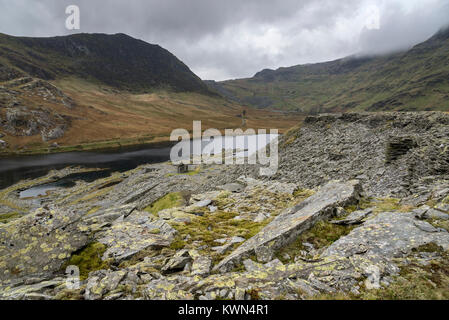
{"points": [[89, 91], [417, 79], [116, 60]]}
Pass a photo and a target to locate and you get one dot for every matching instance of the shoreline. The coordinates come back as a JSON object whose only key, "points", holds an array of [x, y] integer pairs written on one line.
{"points": [[104, 146], [99, 147]]}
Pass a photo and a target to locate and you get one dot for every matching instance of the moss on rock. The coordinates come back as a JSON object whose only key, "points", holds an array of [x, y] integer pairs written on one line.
{"points": [[171, 200], [88, 259]]}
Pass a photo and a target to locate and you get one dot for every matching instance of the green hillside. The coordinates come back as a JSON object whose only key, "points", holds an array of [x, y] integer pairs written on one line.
{"points": [[417, 79]]}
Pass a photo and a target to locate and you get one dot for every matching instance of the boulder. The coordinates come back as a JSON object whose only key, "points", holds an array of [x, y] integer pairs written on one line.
{"points": [[101, 282], [388, 235], [201, 266], [135, 233], [52, 134], [31, 291], [203, 203], [177, 262], [39, 243], [289, 224], [232, 187], [425, 212]]}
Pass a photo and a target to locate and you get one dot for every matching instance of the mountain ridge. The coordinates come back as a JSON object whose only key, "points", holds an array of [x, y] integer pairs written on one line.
{"points": [[116, 60], [411, 80]]}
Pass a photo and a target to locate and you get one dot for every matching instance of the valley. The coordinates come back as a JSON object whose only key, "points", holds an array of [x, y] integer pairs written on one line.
{"points": [[50, 105], [93, 208], [357, 216], [412, 80]]}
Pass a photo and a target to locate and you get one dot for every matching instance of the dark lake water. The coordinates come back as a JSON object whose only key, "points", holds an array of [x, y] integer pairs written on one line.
{"points": [[13, 170]]}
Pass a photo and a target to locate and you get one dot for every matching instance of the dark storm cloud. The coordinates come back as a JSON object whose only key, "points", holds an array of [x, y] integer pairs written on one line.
{"points": [[236, 38]]}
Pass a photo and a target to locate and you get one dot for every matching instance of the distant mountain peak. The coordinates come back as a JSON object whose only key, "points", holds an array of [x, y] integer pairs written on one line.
{"points": [[117, 60], [412, 80]]}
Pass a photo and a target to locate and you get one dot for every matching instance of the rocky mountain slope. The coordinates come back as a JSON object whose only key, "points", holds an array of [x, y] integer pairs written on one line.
{"points": [[119, 61], [96, 90], [393, 154], [219, 232], [413, 80]]}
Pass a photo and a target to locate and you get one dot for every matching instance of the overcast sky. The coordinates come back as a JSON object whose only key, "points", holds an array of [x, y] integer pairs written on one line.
{"points": [[224, 39]]}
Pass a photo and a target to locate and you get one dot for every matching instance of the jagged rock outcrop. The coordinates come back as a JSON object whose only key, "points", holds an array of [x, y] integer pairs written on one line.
{"points": [[259, 239], [137, 232], [393, 154], [22, 120], [288, 225], [38, 244]]}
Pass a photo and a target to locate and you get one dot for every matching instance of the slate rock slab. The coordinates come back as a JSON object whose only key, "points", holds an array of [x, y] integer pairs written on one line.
{"points": [[291, 223]]}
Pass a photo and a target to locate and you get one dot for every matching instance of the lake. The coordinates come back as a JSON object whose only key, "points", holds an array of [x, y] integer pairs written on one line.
{"points": [[13, 170]]}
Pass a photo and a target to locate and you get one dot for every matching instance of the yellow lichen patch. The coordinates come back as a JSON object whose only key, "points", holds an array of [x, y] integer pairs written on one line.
{"points": [[88, 259], [93, 210], [171, 200]]}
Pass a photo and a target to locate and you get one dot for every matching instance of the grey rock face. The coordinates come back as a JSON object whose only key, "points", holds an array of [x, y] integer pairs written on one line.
{"points": [[425, 212], [388, 235], [222, 249], [53, 134], [135, 233], [177, 262], [355, 217], [203, 203], [101, 282], [31, 291], [264, 254], [21, 121], [394, 154], [289, 224], [201, 266], [232, 187], [39, 243]]}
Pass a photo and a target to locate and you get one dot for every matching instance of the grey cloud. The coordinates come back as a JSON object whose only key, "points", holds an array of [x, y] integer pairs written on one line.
{"points": [[236, 38], [401, 30]]}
